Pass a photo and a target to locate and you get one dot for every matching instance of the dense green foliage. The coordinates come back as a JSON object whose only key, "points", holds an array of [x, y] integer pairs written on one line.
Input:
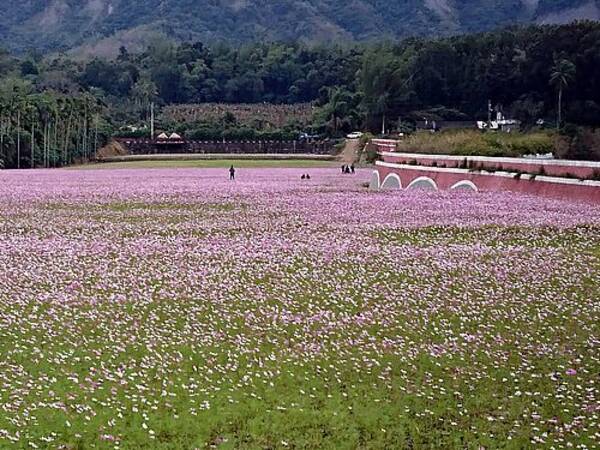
{"points": [[104, 25], [47, 129], [526, 72], [513, 68]]}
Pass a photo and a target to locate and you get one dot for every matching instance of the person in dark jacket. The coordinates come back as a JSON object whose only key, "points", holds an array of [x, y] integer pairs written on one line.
{"points": [[232, 173]]}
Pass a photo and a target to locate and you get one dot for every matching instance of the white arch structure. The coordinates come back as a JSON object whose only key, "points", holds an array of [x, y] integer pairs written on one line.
{"points": [[391, 182], [425, 183], [374, 184], [465, 185]]}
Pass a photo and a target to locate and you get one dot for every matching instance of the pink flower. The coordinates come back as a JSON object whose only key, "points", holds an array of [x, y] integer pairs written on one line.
{"points": [[571, 372]]}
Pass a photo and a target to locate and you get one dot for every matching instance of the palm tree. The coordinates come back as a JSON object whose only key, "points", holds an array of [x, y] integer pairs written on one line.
{"points": [[18, 137], [32, 144], [33, 113], [47, 108], [562, 74]]}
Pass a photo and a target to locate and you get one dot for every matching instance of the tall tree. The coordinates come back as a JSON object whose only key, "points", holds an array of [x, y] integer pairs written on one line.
{"points": [[563, 72], [144, 93], [385, 83], [337, 107]]}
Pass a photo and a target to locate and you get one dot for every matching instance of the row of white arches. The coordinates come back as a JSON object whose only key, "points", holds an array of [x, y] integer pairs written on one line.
{"points": [[393, 182]]}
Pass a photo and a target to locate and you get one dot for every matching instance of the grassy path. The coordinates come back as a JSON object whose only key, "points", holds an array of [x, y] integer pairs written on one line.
{"points": [[215, 163]]}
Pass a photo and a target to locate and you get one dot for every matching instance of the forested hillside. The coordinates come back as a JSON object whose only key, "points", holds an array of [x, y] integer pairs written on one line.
{"points": [[102, 26], [64, 107]]}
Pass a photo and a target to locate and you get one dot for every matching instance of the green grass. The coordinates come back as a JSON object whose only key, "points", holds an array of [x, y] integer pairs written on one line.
{"points": [[209, 164]]}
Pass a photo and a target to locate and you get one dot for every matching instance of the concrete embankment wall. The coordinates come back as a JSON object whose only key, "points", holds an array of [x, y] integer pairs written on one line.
{"points": [[556, 168], [447, 179], [553, 178]]}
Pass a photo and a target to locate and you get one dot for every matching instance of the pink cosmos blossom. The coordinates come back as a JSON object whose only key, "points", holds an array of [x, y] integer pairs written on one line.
{"points": [[132, 297]]}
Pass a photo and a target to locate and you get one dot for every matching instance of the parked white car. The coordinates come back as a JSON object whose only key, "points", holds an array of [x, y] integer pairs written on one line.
{"points": [[355, 135]]}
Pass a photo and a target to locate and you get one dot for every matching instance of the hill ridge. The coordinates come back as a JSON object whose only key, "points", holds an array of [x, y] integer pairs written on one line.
{"points": [[63, 25]]}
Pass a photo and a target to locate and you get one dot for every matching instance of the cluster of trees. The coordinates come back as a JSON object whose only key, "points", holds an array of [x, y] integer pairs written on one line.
{"points": [[58, 108], [194, 73], [529, 73], [46, 129]]}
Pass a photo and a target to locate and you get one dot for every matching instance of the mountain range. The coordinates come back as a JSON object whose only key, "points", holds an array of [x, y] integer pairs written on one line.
{"points": [[103, 26]]}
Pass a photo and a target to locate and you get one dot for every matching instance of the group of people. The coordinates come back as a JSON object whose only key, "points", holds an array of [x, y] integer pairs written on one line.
{"points": [[305, 176], [348, 169]]}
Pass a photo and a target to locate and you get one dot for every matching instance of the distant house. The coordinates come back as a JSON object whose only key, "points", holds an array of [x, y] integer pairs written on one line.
{"points": [[133, 128], [500, 124], [509, 125], [437, 125]]}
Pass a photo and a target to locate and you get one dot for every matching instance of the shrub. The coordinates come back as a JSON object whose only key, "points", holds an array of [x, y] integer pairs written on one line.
{"points": [[371, 153], [364, 143], [474, 142], [578, 143]]}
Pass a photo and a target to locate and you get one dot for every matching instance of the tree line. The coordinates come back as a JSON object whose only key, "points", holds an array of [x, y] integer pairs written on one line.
{"points": [[46, 129], [522, 71], [55, 109]]}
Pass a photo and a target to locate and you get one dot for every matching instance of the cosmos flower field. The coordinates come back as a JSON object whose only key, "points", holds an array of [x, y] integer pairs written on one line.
{"points": [[173, 309]]}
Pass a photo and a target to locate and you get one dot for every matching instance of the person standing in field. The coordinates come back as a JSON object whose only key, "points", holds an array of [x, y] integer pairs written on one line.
{"points": [[232, 173], [352, 169]]}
